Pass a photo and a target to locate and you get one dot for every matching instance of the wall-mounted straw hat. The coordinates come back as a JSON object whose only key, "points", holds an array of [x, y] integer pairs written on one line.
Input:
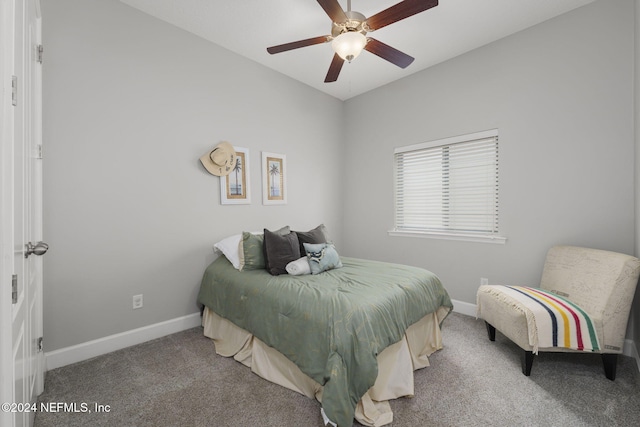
{"points": [[221, 160]]}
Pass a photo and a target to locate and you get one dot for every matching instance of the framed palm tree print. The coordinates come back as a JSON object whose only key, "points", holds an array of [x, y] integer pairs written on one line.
{"points": [[274, 179], [234, 188]]}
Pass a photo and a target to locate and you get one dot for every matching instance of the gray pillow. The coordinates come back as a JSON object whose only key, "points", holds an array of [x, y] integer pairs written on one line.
{"points": [[280, 251], [317, 235], [284, 230]]}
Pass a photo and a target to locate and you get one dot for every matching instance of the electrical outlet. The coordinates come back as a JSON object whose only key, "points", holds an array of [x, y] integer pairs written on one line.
{"points": [[137, 301], [484, 281]]}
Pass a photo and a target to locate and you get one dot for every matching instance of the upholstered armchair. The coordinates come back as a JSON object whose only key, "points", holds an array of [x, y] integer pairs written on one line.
{"points": [[582, 304]]}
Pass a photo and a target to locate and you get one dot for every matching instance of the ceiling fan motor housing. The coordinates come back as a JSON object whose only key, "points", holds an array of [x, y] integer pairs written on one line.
{"points": [[355, 22]]}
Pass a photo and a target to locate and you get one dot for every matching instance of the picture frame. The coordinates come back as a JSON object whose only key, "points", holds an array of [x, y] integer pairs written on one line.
{"points": [[274, 179], [235, 187]]}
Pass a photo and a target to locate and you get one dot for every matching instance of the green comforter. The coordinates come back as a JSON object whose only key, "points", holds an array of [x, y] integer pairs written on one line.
{"points": [[331, 325]]}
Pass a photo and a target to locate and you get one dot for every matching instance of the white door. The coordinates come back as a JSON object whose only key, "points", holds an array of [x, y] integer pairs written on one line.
{"points": [[21, 357]]}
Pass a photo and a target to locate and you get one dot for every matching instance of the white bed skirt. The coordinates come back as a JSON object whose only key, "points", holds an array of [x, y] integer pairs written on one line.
{"points": [[396, 363]]}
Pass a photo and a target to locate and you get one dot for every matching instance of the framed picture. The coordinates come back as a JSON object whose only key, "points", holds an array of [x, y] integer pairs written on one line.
{"points": [[234, 188], [274, 179]]}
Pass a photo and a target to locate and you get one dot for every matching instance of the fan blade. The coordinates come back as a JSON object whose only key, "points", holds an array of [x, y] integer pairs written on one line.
{"points": [[389, 53], [400, 11], [295, 45], [333, 9], [334, 69]]}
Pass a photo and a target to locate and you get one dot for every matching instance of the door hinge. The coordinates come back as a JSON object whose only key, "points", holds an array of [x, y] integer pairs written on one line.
{"points": [[39, 344], [39, 151], [14, 289], [14, 90], [39, 53]]}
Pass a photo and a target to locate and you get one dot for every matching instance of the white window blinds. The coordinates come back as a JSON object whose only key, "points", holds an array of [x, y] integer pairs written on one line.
{"points": [[448, 186]]}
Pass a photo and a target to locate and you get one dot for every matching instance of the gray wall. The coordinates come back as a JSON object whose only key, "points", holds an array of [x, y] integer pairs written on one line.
{"points": [[561, 95], [130, 104]]}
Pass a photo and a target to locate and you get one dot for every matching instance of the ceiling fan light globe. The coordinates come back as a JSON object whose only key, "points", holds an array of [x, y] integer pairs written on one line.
{"points": [[348, 45]]}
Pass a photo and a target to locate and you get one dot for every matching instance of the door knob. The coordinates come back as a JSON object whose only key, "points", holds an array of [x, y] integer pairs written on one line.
{"points": [[39, 248]]}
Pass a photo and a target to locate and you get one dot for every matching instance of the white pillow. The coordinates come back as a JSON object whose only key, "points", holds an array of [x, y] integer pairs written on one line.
{"points": [[299, 267], [229, 247]]}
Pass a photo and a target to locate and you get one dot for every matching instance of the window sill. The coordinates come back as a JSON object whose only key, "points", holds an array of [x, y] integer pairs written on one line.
{"points": [[450, 236]]}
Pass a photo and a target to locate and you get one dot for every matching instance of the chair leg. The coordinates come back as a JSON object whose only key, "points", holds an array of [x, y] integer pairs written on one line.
{"points": [[491, 331], [610, 362], [527, 362]]}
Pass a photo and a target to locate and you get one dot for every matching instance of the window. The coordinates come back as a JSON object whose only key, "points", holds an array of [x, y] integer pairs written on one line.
{"points": [[448, 188]]}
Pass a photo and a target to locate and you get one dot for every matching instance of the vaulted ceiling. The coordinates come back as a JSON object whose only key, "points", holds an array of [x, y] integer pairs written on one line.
{"points": [[452, 28]]}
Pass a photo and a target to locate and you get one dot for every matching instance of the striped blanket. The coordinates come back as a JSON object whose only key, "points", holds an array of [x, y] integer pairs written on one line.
{"points": [[553, 320]]}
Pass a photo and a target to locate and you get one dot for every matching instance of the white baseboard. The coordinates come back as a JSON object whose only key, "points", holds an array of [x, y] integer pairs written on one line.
{"points": [[629, 348], [77, 353], [464, 308]]}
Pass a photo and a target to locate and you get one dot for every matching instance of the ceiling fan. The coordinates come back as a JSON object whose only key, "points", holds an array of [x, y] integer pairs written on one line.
{"points": [[349, 29]]}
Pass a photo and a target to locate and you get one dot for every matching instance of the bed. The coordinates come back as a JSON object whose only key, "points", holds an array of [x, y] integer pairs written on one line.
{"points": [[350, 336]]}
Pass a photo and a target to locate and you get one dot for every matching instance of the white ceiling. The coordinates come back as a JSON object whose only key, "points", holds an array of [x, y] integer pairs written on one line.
{"points": [[248, 27]]}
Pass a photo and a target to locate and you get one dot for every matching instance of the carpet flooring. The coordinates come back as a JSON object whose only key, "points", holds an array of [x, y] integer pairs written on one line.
{"points": [[178, 380]]}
